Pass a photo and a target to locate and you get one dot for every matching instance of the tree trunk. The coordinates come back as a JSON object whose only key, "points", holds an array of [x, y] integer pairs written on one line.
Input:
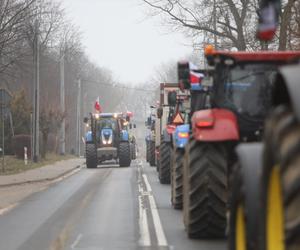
{"points": [[285, 21]]}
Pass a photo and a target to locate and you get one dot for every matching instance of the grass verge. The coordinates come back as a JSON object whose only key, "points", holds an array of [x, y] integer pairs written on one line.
{"points": [[12, 165]]}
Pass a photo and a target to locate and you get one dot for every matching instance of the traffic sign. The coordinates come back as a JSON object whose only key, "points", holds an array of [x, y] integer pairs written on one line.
{"points": [[178, 119]]}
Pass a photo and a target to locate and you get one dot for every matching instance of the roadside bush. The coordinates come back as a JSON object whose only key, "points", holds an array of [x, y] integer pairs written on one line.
{"points": [[19, 142]]}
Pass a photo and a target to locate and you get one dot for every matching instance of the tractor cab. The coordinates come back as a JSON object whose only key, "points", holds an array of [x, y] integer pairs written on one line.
{"points": [[243, 83], [108, 128]]}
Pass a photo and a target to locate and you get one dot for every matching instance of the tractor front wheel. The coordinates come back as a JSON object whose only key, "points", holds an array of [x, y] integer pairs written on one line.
{"points": [[164, 163], [205, 197], [124, 154], [91, 155], [152, 153], [177, 179]]}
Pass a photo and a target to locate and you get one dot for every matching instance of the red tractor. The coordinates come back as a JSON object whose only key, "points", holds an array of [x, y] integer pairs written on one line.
{"points": [[265, 201], [240, 99]]}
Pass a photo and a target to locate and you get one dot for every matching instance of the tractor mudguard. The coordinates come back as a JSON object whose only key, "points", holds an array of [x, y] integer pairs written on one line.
{"points": [[88, 137], [250, 161], [166, 136], [124, 135], [181, 135], [215, 125], [287, 88]]}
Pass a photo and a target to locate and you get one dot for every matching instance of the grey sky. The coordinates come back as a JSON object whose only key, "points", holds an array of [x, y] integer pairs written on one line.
{"points": [[117, 35]]}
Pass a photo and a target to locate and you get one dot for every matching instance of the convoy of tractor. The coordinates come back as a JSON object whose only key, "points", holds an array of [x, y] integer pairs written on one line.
{"points": [[228, 141]]}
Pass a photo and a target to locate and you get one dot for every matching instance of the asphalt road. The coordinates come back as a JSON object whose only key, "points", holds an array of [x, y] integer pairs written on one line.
{"points": [[106, 208]]}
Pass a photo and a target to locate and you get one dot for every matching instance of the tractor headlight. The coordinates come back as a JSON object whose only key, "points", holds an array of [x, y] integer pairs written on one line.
{"points": [[107, 141]]}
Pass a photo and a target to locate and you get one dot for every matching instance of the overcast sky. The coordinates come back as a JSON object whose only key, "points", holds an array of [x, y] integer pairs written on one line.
{"points": [[118, 36]]}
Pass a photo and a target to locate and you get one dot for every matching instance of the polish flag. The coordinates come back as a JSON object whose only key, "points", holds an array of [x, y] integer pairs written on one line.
{"points": [[195, 77], [97, 105]]}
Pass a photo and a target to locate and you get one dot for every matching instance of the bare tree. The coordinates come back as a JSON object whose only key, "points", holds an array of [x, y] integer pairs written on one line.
{"points": [[225, 23], [13, 15]]}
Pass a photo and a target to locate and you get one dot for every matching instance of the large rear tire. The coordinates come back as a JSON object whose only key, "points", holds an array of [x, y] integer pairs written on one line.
{"points": [[205, 201], [177, 179], [164, 174], [281, 179], [124, 154], [152, 154], [245, 210], [237, 220], [91, 155]]}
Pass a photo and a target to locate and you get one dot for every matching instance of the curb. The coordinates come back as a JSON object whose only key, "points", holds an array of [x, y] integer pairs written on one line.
{"points": [[41, 180]]}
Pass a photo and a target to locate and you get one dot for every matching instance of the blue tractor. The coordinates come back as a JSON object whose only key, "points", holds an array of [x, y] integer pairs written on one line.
{"points": [[107, 139], [198, 98]]}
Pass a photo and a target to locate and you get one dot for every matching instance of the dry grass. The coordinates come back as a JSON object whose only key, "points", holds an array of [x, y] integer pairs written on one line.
{"points": [[12, 165]]}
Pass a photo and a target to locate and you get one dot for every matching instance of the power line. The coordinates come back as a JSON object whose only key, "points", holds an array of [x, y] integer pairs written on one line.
{"points": [[119, 86]]}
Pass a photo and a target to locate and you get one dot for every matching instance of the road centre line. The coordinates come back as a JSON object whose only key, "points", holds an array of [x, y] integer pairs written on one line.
{"points": [[148, 186], [160, 235], [143, 220], [144, 227]]}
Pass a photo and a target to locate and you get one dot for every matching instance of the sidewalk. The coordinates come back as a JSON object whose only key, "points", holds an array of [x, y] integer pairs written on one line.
{"points": [[46, 173]]}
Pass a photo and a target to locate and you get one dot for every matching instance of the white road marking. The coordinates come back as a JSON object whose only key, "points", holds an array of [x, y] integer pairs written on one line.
{"points": [[144, 228], [67, 175], [148, 187], [143, 220], [75, 243], [161, 237], [7, 209]]}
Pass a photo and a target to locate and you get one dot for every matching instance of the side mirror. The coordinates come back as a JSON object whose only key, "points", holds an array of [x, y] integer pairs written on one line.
{"points": [[183, 70], [159, 112], [172, 96], [85, 120], [130, 126], [134, 125]]}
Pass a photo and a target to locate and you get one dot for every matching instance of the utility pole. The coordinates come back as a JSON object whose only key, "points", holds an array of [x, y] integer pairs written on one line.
{"points": [[62, 103], [78, 142], [36, 93], [3, 132]]}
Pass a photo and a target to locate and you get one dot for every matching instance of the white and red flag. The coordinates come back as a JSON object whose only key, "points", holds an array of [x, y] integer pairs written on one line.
{"points": [[97, 106], [195, 77]]}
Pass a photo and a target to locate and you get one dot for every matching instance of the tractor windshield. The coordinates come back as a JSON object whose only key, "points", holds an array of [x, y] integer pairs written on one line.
{"points": [[107, 123], [247, 88]]}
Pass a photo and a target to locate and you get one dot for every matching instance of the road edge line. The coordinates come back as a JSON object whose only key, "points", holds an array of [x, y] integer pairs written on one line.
{"points": [[159, 231]]}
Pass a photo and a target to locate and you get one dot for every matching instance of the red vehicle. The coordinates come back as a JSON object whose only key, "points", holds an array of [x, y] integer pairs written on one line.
{"points": [[240, 99]]}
